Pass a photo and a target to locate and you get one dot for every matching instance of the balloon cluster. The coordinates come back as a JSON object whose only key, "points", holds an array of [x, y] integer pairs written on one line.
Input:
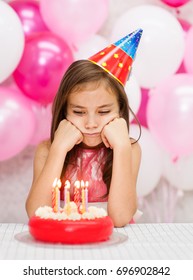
{"points": [[38, 43], [164, 73], [39, 39]]}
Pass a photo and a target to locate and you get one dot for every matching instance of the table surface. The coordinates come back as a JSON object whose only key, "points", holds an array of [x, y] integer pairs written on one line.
{"points": [[137, 241]]}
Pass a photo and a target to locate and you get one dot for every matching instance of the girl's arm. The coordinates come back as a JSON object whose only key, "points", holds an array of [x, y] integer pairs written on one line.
{"points": [[48, 164], [122, 200]]}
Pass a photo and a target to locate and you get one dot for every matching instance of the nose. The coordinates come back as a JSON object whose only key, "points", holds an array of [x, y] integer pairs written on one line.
{"points": [[91, 122]]}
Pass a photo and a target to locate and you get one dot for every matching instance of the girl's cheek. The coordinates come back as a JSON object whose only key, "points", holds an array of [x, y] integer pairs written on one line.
{"points": [[110, 118], [71, 118], [75, 121]]}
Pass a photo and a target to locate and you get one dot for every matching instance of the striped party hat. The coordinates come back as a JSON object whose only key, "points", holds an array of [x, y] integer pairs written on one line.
{"points": [[117, 58]]}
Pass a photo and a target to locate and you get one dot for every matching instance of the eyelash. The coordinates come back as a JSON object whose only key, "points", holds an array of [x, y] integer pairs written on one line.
{"points": [[104, 112], [83, 113], [78, 113]]}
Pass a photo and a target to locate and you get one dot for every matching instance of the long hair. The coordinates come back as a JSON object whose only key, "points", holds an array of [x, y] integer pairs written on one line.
{"points": [[76, 78]]}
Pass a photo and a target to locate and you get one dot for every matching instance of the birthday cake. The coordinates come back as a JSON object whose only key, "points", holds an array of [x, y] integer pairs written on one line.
{"points": [[71, 224]]}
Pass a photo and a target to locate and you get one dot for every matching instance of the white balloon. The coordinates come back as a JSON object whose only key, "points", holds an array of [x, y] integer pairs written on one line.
{"points": [[179, 173], [133, 92], [95, 44], [161, 47], [12, 40], [151, 166]]}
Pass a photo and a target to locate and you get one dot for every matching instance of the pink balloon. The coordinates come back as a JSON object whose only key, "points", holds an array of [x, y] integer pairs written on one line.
{"points": [[75, 21], [181, 69], [45, 59], [141, 114], [17, 123], [43, 115], [188, 56], [175, 3], [29, 14], [170, 114], [185, 24]]}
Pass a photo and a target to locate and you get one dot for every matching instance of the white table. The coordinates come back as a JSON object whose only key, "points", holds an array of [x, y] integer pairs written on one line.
{"points": [[138, 241]]}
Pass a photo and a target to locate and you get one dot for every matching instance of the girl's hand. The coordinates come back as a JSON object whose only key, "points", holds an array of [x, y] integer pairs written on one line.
{"points": [[67, 136], [115, 134]]}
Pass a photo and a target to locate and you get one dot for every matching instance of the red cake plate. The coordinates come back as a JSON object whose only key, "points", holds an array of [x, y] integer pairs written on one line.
{"points": [[71, 232]]}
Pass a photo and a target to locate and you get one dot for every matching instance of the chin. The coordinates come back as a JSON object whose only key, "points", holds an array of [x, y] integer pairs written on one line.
{"points": [[92, 142]]}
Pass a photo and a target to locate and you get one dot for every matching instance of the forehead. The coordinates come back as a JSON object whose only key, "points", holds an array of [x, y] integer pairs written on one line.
{"points": [[92, 93], [91, 85]]}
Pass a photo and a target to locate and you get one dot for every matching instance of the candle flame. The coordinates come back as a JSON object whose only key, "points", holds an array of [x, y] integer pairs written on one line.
{"points": [[77, 184], [55, 182], [86, 184], [67, 184], [82, 183], [59, 183]]}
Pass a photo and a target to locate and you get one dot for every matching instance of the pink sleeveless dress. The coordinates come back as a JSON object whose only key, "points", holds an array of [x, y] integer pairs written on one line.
{"points": [[88, 167]]}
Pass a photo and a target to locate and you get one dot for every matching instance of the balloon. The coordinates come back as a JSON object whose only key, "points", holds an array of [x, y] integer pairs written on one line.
{"points": [[12, 40], [17, 123], [93, 45], [185, 24], [44, 61], [43, 117], [133, 92], [151, 161], [74, 21], [141, 114], [179, 173], [188, 56], [175, 3], [161, 48], [29, 14], [181, 69], [170, 115]]}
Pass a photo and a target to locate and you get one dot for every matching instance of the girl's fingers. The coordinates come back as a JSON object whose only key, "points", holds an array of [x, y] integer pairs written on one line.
{"points": [[105, 141], [80, 140]]}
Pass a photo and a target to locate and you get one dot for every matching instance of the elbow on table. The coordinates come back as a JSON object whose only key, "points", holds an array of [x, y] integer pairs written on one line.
{"points": [[28, 209], [121, 222], [122, 219]]}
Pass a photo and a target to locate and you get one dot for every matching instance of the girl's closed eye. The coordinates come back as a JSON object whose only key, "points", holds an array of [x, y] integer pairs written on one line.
{"points": [[104, 112], [79, 112]]}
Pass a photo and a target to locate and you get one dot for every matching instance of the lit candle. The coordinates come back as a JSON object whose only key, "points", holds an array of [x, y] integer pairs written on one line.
{"points": [[67, 197], [66, 192], [77, 193], [83, 196], [56, 195], [68, 210], [59, 184], [86, 195]]}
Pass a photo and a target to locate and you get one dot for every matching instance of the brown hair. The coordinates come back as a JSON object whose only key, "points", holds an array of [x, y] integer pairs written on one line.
{"points": [[77, 76]]}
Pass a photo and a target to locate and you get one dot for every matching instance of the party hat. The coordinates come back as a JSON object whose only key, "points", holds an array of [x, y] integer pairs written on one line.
{"points": [[117, 58]]}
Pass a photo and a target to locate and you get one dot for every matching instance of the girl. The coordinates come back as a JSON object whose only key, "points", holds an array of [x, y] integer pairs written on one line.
{"points": [[89, 140]]}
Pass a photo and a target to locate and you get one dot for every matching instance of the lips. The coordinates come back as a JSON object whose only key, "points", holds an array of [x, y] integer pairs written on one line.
{"points": [[92, 134]]}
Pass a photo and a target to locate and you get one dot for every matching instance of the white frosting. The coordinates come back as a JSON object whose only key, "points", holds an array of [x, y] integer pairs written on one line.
{"points": [[92, 213]]}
